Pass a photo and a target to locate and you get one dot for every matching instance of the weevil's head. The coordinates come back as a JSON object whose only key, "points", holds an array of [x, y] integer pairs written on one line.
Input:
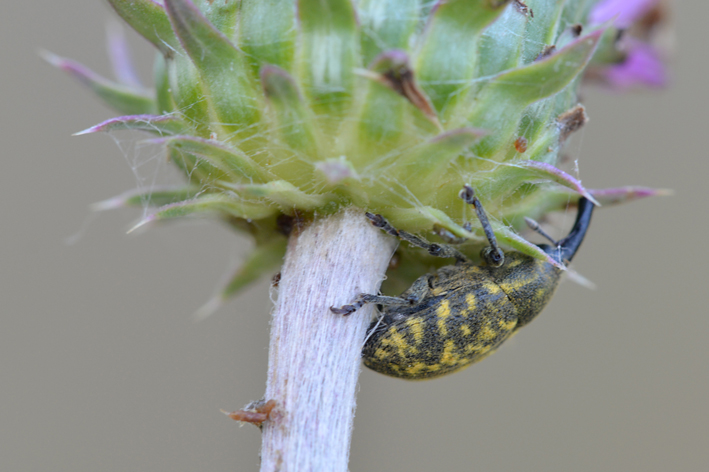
{"points": [[530, 283]]}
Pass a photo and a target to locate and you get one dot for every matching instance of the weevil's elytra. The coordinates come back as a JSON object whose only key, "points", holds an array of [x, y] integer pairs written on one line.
{"points": [[460, 314]]}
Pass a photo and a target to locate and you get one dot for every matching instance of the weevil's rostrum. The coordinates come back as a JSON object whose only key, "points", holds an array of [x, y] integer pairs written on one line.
{"points": [[460, 314]]}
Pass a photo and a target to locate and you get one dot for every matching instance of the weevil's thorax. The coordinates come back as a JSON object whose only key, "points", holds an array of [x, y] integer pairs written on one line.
{"points": [[528, 282]]}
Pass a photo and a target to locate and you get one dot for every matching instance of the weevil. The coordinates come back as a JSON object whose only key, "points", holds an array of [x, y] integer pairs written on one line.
{"points": [[461, 314]]}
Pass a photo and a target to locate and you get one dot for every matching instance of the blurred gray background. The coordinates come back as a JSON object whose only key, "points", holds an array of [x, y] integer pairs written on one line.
{"points": [[102, 367]]}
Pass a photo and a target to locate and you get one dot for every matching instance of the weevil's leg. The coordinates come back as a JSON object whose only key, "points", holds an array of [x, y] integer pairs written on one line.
{"points": [[493, 254], [410, 296], [437, 250], [364, 298], [418, 290]]}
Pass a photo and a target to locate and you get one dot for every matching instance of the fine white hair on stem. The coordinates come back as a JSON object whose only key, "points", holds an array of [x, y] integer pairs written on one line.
{"points": [[314, 355]]}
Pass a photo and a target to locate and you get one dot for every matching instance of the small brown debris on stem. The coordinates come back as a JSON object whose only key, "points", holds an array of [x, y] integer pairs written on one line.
{"points": [[523, 8], [546, 52], [393, 69], [255, 414], [571, 120], [286, 224]]}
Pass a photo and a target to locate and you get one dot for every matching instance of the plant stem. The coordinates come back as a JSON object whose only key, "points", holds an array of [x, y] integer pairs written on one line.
{"points": [[314, 355]]}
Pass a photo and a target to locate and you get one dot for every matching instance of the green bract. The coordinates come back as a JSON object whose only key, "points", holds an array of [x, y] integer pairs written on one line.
{"points": [[302, 107]]}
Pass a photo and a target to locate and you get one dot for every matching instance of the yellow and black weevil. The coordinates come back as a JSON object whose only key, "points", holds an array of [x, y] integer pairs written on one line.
{"points": [[459, 315]]}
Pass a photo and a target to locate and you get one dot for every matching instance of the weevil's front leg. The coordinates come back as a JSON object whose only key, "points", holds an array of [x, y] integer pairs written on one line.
{"points": [[438, 250], [411, 296], [364, 298]]}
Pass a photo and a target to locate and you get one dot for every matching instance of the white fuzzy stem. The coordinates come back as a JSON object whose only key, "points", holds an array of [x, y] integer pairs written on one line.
{"points": [[314, 355]]}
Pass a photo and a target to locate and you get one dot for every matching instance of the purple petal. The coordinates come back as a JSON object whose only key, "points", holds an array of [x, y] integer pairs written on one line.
{"points": [[80, 72], [120, 57], [548, 171], [613, 196], [127, 100], [624, 12], [642, 66]]}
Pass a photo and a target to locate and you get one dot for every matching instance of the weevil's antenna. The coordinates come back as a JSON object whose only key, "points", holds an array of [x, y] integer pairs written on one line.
{"points": [[493, 255], [534, 226], [565, 250]]}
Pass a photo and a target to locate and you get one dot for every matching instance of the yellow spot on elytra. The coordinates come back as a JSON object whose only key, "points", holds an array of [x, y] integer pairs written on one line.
{"points": [[472, 302], [416, 329], [541, 294], [507, 325], [484, 352], [494, 289], [416, 368], [449, 357], [487, 333], [438, 291], [514, 263], [380, 353], [397, 341], [443, 312], [465, 329], [515, 285], [434, 368], [473, 347]]}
